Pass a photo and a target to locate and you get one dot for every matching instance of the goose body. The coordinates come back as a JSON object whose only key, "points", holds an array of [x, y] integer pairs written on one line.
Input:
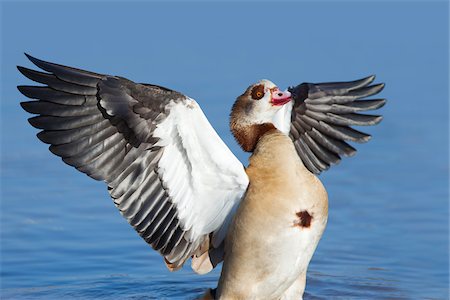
{"points": [[276, 227], [181, 188]]}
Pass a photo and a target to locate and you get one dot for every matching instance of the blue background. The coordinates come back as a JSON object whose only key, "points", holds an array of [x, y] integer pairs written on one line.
{"points": [[387, 236]]}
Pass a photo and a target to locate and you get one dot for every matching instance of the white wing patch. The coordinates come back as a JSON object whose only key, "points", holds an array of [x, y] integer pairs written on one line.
{"points": [[202, 176]]}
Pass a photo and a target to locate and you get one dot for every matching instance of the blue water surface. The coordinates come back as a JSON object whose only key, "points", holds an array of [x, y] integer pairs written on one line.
{"points": [[388, 230]]}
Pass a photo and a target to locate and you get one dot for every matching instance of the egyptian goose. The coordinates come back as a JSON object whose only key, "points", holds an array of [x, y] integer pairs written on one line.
{"points": [[180, 187]]}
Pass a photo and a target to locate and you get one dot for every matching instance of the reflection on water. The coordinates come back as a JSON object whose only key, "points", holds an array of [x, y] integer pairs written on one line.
{"points": [[153, 287]]}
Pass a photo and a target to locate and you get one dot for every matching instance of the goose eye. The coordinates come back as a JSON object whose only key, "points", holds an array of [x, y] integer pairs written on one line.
{"points": [[258, 92]]}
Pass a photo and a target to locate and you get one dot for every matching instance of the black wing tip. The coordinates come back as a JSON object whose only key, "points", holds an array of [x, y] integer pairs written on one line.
{"points": [[26, 106], [38, 62], [51, 67], [34, 121], [28, 73], [29, 56], [33, 59], [22, 70], [32, 74], [41, 136], [22, 89]]}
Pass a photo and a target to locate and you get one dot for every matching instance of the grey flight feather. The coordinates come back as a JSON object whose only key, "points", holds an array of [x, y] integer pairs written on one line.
{"points": [[103, 126], [322, 115]]}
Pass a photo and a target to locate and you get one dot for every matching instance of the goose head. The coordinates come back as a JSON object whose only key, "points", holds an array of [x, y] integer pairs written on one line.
{"points": [[254, 110]]}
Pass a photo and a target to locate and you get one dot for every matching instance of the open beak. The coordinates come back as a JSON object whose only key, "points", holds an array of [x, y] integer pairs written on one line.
{"points": [[280, 98]]}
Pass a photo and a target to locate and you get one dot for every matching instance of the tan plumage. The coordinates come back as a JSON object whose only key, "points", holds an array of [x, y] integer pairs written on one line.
{"points": [[266, 252]]}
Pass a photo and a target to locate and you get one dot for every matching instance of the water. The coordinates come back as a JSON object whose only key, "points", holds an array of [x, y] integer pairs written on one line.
{"points": [[63, 238], [387, 235]]}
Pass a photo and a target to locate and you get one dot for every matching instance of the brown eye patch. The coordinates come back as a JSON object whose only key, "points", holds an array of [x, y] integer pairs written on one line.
{"points": [[258, 92]]}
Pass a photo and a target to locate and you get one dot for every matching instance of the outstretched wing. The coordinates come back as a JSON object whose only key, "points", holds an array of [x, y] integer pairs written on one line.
{"points": [[167, 170], [321, 117]]}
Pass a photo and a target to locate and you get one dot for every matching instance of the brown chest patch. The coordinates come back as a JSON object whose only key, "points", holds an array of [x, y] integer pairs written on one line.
{"points": [[249, 135], [304, 219]]}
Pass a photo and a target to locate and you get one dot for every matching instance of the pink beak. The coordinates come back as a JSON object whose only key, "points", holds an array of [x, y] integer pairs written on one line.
{"points": [[279, 97]]}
